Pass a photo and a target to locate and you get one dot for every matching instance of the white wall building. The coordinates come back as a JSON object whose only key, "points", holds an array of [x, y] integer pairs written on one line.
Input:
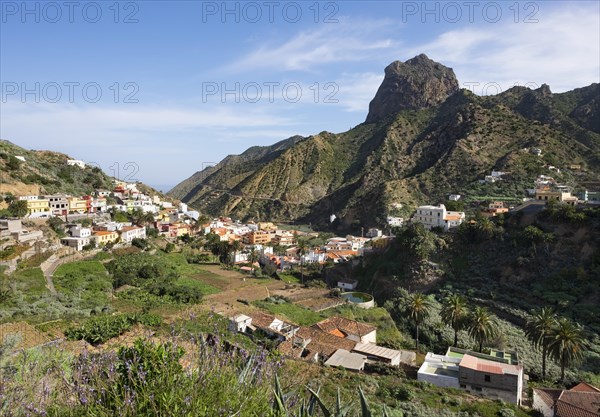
{"points": [[76, 162], [76, 243], [78, 231], [395, 221], [438, 216], [129, 233]]}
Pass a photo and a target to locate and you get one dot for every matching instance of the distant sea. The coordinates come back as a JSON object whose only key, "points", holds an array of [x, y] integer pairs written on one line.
{"points": [[164, 188]]}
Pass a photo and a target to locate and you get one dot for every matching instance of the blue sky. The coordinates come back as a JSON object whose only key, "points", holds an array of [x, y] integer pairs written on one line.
{"points": [[174, 86]]}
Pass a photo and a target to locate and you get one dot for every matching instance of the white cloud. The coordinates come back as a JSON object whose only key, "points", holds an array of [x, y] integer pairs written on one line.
{"points": [[357, 90], [561, 50], [347, 41]]}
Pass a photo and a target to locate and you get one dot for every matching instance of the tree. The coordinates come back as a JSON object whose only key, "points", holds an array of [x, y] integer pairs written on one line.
{"points": [[418, 306], [539, 330], [9, 198], [567, 343], [454, 313], [13, 163], [235, 246], [301, 251], [18, 208], [252, 257], [417, 241], [483, 326]]}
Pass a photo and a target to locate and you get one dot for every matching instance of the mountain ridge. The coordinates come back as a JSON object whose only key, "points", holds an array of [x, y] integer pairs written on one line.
{"points": [[415, 147]]}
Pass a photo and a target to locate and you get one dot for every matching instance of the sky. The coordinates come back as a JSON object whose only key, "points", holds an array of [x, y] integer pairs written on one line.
{"points": [[154, 91]]}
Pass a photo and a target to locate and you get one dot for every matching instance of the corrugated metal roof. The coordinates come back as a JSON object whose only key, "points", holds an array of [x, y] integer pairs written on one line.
{"points": [[347, 360], [379, 351]]}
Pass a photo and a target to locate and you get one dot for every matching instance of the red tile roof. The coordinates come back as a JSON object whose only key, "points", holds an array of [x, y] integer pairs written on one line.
{"points": [[345, 326], [583, 400], [584, 387], [578, 404], [323, 343]]}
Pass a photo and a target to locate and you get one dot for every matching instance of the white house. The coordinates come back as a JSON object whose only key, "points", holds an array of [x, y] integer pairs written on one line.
{"points": [[240, 323], [20, 158], [495, 376], [82, 232], [454, 197], [438, 216], [347, 283], [128, 233], [395, 221], [314, 256], [76, 243], [76, 162]]}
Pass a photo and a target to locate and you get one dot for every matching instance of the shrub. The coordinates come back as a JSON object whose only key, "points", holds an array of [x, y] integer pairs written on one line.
{"points": [[99, 329], [506, 412], [403, 393]]}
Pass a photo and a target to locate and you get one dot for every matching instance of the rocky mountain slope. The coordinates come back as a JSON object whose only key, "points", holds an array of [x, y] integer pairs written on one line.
{"points": [[423, 138]]}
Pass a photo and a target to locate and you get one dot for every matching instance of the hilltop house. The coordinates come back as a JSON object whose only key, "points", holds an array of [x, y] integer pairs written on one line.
{"points": [[583, 400], [438, 216], [498, 375]]}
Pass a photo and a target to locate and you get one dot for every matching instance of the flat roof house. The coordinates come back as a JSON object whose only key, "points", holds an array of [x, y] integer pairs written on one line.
{"points": [[497, 375]]}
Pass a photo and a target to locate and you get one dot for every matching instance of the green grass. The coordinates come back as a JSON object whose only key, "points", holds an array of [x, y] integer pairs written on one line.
{"points": [[87, 280], [81, 275], [30, 282], [387, 332], [191, 275], [289, 278], [291, 312], [194, 282]]}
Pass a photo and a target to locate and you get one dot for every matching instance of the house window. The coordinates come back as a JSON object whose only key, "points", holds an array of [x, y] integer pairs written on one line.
{"points": [[487, 378], [478, 389], [463, 386]]}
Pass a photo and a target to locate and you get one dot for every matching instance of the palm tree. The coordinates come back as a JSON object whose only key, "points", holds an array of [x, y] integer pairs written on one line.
{"points": [[236, 245], [454, 313], [252, 257], [567, 342], [418, 306], [301, 251], [18, 208], [483, 325], [539, 330]]}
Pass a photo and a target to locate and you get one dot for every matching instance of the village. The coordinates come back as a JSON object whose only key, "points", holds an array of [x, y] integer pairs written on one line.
{"points": [[125, 216]]}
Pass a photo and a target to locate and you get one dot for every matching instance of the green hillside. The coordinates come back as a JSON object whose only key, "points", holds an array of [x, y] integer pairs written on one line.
{"points": [[415, 156]]}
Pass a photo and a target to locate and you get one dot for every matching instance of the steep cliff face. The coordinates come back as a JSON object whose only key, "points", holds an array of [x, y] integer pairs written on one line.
{"points": [[422, 140], [416, 84]]}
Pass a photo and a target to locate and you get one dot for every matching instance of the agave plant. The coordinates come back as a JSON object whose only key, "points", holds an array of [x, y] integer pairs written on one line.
{"points": [[309, 408]]}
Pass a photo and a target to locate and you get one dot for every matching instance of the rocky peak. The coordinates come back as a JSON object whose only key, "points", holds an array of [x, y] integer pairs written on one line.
{"points": [[415, 84]]}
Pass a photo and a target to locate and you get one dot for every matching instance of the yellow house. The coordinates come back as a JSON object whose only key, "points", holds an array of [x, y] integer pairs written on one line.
{"points": [[266, 226], [38, 206], [104, 237], [183, 229], [555, 196], [77, 205]]}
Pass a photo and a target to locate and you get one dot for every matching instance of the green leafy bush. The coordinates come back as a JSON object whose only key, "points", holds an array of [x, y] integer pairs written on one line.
{"points": [[99, 329]]}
